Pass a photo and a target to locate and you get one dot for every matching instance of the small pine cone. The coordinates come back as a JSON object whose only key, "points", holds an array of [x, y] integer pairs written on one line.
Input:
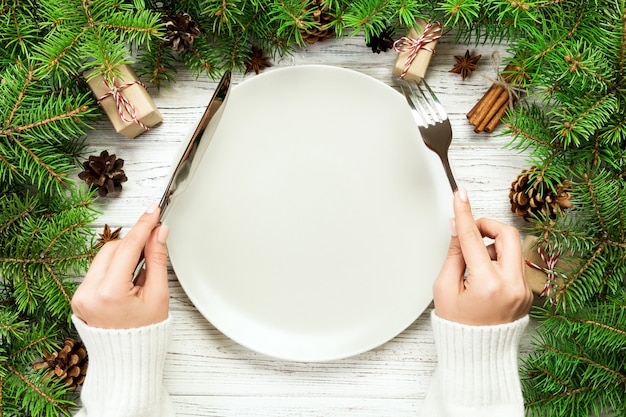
{"points": [[104, 173], [180, 31], [381, 42], [321, 18], [530, 201], [69, 364]]}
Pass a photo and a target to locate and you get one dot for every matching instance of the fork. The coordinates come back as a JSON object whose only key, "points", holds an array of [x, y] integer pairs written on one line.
{"points": [[432, 120]]}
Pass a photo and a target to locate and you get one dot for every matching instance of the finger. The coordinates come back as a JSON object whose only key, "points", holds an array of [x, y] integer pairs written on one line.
{"points": [[470, 237], [450, 278], [491, 250], [155, 285], [131, 246], [507, 242], [100, 264]]}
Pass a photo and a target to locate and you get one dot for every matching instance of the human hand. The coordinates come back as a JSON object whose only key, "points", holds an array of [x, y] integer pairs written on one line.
{"points": [[495, 290], [107, 297]]}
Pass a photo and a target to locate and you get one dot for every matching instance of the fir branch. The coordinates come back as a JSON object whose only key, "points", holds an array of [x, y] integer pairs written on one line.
{"points": [[29, 241], [135, 28], [30, 345], [12, 169], [593, 323], [226, 15], [526, 136], [20, 97], [619, 377], [47, 260], [52, 274], [156, 62], [50, 120], [26, 212], [198, 62], [295, 17], [367, 16], [583, 124], [622, 51], [60, 235], [549, 3], [569, 34], [560, 295], [460, 13], [59, 177], [32, 386], [68, 47], [595, 205], [82, 204]]}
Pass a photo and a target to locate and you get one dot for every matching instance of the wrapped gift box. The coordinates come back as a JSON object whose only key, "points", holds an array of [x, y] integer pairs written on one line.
{"points": [[417, 61], [134, 112]]}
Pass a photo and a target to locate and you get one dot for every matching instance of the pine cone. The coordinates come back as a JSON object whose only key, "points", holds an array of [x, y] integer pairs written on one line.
{"points": [[529, 201], [321, 18], [69, 364], [381, 42], [180, 31], [104, 172]]}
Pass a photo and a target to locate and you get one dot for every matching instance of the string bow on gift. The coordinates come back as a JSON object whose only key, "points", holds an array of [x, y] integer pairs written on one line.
{"points": [[551, 275], [124, 106], [431, 32]]}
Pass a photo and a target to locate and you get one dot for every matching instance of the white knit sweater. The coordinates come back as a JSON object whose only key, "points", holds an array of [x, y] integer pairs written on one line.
{"points": [[477, 374]]}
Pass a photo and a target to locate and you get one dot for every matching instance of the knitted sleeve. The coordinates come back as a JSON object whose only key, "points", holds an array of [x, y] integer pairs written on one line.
{"points": [[477, 370], [125, 373]]}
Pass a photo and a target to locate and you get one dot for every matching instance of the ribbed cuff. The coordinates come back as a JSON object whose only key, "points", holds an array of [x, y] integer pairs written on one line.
{"points": [[125, 374], [478, 364]]}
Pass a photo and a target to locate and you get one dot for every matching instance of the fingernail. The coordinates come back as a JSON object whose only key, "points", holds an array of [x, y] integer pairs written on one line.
{"points": [[453, 227], [462, 193], [162, 234], [152, 208]]}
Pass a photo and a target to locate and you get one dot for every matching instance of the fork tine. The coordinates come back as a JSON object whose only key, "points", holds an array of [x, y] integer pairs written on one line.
{"points": [[409, 94], [432, 120], [421, 104], [430, 101]]}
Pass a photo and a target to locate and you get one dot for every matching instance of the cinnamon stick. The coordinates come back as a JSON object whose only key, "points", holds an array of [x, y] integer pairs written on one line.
{"points": [[480, 102], [502, 98], [486, 103], [493, 123], [492, 105]]}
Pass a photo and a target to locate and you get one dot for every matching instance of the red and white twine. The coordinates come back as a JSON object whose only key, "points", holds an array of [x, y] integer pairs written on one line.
{"points": [[431, 32], [124, 106], [551, 274]]}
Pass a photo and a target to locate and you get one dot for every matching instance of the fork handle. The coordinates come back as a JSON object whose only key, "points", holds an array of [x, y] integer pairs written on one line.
{"points": [[446, 167]]}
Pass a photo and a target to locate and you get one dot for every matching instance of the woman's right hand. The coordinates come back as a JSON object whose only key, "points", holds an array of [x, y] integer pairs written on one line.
{"points": [[478, 284]]}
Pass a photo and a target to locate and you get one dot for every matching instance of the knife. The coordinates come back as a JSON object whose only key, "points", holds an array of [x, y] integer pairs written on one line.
{"points": [[183, 169]]}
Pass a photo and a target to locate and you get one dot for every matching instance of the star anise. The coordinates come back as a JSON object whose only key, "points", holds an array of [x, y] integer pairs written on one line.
{"points": [[256, 61], [465, 64], [107, 235]]}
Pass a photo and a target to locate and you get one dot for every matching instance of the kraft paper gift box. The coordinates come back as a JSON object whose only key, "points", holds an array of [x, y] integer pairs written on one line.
{"points": [[136, 105], [419, 65]]}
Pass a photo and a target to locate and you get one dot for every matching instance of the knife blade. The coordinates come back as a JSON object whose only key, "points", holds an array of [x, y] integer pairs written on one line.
{"points": [[182, 171]]}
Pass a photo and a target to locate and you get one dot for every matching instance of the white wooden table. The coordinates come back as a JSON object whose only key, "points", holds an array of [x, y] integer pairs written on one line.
{"points": [[208, 374]]}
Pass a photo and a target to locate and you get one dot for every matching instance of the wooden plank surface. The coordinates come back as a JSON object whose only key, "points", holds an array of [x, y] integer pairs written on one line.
{"points": [[210, 375]]}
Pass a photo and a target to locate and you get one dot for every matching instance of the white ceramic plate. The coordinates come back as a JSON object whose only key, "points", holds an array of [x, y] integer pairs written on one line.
{"points": [[313, 227]]}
